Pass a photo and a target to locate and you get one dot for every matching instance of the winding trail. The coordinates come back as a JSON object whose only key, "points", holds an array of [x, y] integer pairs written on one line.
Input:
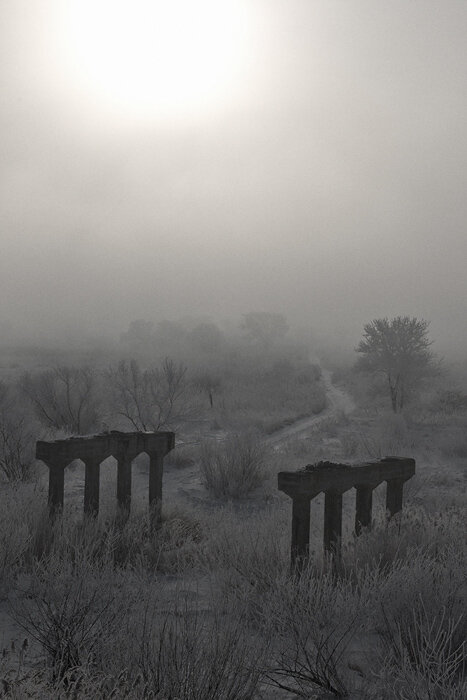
{"points": [[337, 400], [187, 483]]}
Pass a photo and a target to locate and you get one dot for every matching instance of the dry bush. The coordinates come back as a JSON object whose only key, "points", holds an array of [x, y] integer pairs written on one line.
{"points": [[22, 509], [68, 611], [144, 650], [399, 540], [129, 545], [17, 437], [187, 653], [420, 616], [28, 536], [245, 550], [427, 583], [235, 467], [424, 657], [312, 619]]}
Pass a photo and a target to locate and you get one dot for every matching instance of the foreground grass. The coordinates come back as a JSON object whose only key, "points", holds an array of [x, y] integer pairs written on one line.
{"points": [[205, 607]]}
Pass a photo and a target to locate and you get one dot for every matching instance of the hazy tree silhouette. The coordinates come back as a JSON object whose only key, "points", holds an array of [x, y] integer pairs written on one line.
{"points": [[399, 349]]}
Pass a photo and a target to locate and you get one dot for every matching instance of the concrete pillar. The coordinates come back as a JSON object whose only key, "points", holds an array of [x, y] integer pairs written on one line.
{"points": [[91, 486], [394, 493], [156, 469], [56, 489], [300, 530], [332, 522], [124, 484], [363, 505]]}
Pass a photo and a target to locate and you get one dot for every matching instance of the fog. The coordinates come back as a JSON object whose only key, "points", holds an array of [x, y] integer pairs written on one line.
{"points": [[328, 184]]}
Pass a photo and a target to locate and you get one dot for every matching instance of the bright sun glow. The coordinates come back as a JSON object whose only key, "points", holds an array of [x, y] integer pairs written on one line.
{"points": [[156, 58]]}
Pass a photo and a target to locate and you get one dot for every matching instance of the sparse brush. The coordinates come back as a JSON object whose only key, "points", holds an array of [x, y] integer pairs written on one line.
{"points": [[21, 512], [17, 434], [189, 654], [312, 619], [434, 583], [185, 653], [401, 541], [67, 613], [235, 467], [245, 551], [427, 649]]}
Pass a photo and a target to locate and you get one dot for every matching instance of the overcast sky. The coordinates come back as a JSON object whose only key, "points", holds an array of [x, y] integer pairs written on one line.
{"points": [[321, 172]]}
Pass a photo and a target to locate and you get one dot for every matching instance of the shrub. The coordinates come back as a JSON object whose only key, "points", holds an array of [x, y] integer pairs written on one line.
{"points": [[150, 652], [17, 438], [235, 467], [188, 653], [132, 545], [425, 655], [312, 620], [246, 550], [68, 612], [22, 508]]}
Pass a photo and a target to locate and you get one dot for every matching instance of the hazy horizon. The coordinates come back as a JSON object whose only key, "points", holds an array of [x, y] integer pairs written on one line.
{"points": [[320, 173]]}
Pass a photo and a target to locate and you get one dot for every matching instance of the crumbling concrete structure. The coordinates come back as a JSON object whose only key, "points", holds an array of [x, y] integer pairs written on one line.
{"points": [[93, 450], [334, 480]]}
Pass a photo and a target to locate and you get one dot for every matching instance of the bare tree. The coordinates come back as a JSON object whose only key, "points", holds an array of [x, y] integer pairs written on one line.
{"points": [[149, 398], [64, 398], [399, 349]]}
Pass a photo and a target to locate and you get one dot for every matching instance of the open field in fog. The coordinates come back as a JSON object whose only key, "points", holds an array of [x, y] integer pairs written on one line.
{"points": [[205, 606], [243, 223]]}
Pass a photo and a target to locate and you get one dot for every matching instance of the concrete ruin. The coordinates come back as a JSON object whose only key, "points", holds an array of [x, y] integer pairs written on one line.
{"points": [[334, 480], [93, 450]]}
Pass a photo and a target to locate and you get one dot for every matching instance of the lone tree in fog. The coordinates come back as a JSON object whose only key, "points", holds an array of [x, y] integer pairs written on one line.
{"points": [[399, 349]]}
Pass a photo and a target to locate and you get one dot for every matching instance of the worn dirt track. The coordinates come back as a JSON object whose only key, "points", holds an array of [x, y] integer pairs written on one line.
{"points": [[337, 401]]}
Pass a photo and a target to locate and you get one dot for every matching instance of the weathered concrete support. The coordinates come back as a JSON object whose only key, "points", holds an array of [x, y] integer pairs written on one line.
{"points": [[300, 530], [95, 449], [124, 484], [91, 486], [156, 470], [363, 507], [394, 495], [56, 488], [334, 480], [332, 522]]}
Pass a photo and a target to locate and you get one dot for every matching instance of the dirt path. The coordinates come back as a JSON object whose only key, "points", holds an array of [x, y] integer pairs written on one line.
{"points": [[186, 482], [337, 400]]}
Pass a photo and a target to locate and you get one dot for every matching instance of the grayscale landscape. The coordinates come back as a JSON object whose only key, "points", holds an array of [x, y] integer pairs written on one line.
{"points": [[233, 349]]}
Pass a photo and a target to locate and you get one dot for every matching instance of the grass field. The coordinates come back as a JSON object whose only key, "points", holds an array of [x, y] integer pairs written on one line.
{"points": [[206, 607]]}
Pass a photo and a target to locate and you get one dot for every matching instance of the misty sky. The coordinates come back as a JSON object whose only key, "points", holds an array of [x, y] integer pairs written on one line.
{"points": [[324, 174]]}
